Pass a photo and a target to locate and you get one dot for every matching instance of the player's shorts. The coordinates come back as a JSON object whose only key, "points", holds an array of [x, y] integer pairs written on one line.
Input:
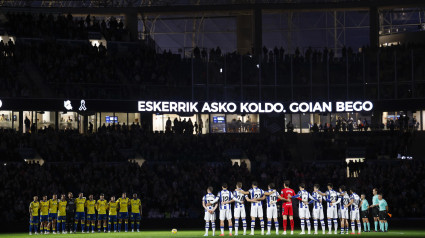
{"points": [[62, 218], [91, 217], [382, 215], [344, 214], [53, 216], [35, 220], [318, 214], [225, 214], [112, 218], [101, 217], [240, 212], [135, 216], [123, 215], [355, 215], [80, 216], [339, 212], [209, 217], [304, 213], [272, 212], [332, 212], [375, 211], [287, 210], [364, 214], [44, 218], [257, 211]]}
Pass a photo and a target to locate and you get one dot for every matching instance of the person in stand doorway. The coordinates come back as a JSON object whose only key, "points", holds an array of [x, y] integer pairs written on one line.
{"points": [[27, 123], [201, 126]]}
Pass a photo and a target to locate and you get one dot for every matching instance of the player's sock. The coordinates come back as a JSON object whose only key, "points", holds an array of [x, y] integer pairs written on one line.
{"points": [[92, 227], [30, 227], [335, 224], [368, 226], [342, 230], [132, 225], [213, 227], [207, 226], [58, 225], [138, 225], [284, 224], [353, 227], [381, 226], [276, 225], [376, 225], [82, 225], [115, 226], [386, 226], [302, 225], [230, 229], [365, 226], [269, 226], [308, 225], [222, 229], [126, 226], [88, 226], [252, 226], [262, 225], [359, 226], [236, 226], [119, 226], [346, 228], [109, 226], [35, 226], [316, 225], [322, 223], [244, 224], [330, 224], [54, 227], [98, 227], [292, 224], [63, 226]]}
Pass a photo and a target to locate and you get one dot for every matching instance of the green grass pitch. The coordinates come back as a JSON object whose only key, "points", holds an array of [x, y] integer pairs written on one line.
{"points": [[200, 233]]}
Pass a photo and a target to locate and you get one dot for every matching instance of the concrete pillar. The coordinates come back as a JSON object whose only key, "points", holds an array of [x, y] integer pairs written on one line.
{"points": [[131, 23], [374, 27]]}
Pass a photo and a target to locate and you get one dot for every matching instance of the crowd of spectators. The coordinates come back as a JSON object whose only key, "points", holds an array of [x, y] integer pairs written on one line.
{"points": [[400, 182]]}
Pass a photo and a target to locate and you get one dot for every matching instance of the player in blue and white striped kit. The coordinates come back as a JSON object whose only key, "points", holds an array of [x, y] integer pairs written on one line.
{"points": [[318, 210], [271, 198], [256, 195], [209, 210], [304, 211], [345, 200], [354, 212], [332, 197], [239, 211], [224, 196]]}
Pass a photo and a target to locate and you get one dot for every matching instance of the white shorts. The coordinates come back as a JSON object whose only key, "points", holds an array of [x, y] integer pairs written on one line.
{"points": [[272, 212], [318, 214], [339, 212], [344, 214], [240, 212], [225, 214], [304, 212], [355, 215], [257, 211], [209, 217], [332, 212]]}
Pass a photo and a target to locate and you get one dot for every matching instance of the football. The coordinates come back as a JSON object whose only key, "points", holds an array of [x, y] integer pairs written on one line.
{"points": [[174, 231]]}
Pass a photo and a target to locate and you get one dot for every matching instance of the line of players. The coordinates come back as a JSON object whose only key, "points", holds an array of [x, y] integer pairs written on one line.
{"points": [[339, 204], [56, 214]]}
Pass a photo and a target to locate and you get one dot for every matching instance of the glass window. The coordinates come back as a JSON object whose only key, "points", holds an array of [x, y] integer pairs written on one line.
{"points": [[45, 120], [218, 123], [237, 123], [16, 121], [6, 118], [108, 118], [27, 120], [121, 118], [68, 121]]}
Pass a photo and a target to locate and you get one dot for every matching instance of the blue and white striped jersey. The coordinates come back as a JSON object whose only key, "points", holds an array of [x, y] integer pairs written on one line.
{"points": [[345, 200], [256, 193], [209, 198], [333, 196], [225, 196], [305, 197], [317, 204], [356, 202], [239, 198], [272, 198]]}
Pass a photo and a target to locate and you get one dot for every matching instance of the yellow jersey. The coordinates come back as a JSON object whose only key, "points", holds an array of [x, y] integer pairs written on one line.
{"points": [[123, 204], [62, 208], [135, 205], [35, 206], [44, 208], [91, 206], [112, 206], [101, 206], [80, 204], [53, 206]]}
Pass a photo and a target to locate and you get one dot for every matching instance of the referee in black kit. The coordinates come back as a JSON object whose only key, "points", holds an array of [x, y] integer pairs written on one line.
{"points": [[70, 212]]}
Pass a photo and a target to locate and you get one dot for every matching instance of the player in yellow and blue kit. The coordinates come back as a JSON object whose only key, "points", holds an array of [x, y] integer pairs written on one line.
{"points": [[53, 213], [80, 203], [123, 203], [136, 212], [101, 207], [112, 207], [34, 218], [44, 215], [62, 214], [91, 213]]}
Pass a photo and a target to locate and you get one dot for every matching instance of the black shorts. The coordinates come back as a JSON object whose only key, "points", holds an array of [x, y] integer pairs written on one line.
{"points": [[382, 215], [375, 212], [364, 214], [70, 217]]}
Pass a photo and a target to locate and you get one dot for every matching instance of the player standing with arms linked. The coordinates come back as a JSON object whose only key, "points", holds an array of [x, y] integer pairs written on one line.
{"points": [[318, 210], [136, 212], [80, 215], [209, 198], [34, 218], [364, 214], [375, 208], [383, 210], [101, 206], [112, 207], [223, 197], [354, 212], [304, 211], [271, 198], [70, 212], [238, 199], [62, 205], [345, 200], [332, 197], [53, 213], [123, 203], [256, 196], [44, 215], [91, 213], [287, 210]]}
